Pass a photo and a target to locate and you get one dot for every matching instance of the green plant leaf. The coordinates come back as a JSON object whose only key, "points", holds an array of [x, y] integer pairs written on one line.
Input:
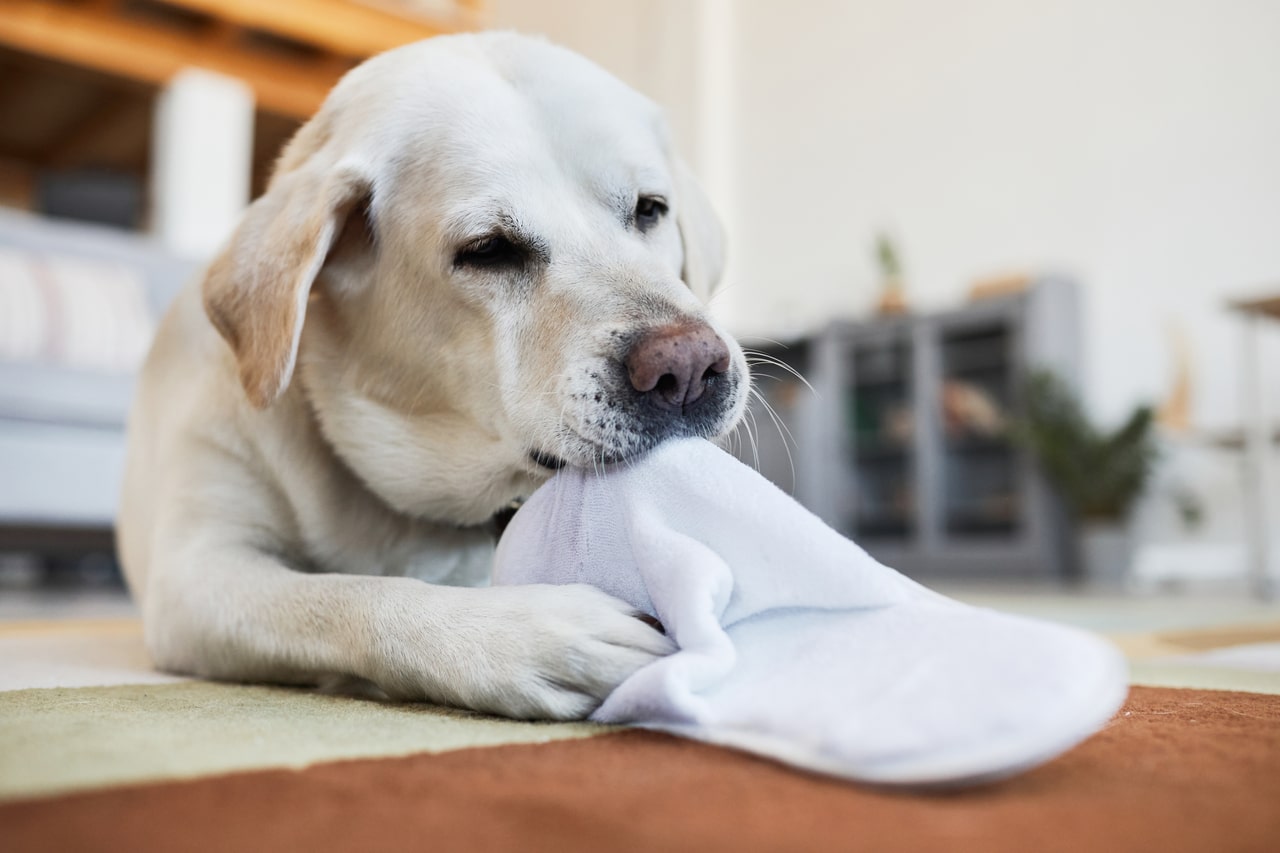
{"points": [[1098, 474]]}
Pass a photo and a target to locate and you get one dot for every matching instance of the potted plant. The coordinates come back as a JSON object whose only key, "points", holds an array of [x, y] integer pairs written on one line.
{"points": [[1098, 474], [893, 297]]}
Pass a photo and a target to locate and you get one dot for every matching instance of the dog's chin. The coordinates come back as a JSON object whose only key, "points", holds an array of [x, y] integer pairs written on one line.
{"points": [[584, 453], [590, 457]]}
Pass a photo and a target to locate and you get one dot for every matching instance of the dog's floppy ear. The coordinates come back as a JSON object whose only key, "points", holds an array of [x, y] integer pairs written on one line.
{"points": [[256, 291], [701, 234]]}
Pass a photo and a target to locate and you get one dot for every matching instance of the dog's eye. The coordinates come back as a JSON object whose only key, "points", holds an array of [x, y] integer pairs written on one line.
{"points": [[649, 209], [490, 252]]}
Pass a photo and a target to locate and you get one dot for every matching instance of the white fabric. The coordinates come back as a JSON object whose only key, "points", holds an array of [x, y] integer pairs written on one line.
{"points": [[793, 642]]}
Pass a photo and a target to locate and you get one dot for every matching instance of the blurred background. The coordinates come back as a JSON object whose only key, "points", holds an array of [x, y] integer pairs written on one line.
{"points": [[1025, 256]]}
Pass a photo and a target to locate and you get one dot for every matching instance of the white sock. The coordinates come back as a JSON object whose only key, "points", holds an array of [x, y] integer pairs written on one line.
{"points": [[793, 642]]}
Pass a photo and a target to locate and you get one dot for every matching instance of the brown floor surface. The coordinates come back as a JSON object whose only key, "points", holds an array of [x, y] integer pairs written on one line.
{"points": [[1177, 770]]}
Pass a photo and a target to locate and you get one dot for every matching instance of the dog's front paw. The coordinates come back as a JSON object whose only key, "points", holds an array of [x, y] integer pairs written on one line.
{"points": [[579, 644], [530, 652]]}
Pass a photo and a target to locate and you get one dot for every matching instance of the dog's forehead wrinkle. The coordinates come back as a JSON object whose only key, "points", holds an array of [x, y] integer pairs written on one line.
{"points": [[617, 176], [551, 207], [551, 203], [605, 133], [560, 79], [621, 201]]}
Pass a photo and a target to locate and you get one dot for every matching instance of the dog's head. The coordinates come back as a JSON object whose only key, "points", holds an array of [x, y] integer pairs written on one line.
{"points": [[486, 263]]}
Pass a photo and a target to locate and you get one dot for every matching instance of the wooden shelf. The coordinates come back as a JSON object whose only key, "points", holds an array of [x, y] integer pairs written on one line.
{"points": [[338, 26], [1267, 306], [290, 52]]}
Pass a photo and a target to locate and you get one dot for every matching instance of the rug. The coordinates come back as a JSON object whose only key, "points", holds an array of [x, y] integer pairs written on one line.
{"points": [[101, 753]]}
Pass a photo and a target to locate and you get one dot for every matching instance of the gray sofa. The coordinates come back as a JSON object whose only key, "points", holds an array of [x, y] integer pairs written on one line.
{"points": [[62, 426]]}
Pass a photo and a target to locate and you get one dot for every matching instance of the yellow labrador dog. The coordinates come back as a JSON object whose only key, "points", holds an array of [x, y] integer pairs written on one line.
{"points": [[477, 263]]}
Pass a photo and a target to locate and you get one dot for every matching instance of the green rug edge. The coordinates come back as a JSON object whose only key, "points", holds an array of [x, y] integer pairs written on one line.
{"points": [[56, 740]]}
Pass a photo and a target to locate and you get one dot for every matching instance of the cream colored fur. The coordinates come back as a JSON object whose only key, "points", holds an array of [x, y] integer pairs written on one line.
{"points": [[330, 417]]}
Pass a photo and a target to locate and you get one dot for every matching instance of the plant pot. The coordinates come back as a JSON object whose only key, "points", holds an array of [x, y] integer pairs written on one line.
{"points": [[1106, 553], [893, 298]]}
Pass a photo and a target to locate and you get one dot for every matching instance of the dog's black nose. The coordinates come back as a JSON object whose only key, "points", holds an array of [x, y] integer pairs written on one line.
{"points": [[672, 365]]}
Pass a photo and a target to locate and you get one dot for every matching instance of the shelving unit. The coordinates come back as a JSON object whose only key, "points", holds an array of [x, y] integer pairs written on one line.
{"points": [[904, 443], [878, 434]]}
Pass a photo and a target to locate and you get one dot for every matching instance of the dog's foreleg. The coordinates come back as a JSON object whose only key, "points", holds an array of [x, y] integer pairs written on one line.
{"points": [[523, 651], [236, 613]]}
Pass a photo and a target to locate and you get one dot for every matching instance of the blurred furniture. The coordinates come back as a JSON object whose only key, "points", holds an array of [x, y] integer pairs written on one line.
{"points": [[79, 304], [903, 442], [1259, 482], [90, 127], [78, 78]]}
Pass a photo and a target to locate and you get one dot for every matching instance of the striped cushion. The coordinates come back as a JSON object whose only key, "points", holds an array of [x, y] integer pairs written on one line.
{"points": [[72, 312]]}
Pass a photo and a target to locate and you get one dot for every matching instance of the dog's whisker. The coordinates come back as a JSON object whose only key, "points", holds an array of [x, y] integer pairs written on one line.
{"points": [[734, 440], [749, 423], [721, 289], [764, 339], [596, 451], [757, 357], [783, 432]]}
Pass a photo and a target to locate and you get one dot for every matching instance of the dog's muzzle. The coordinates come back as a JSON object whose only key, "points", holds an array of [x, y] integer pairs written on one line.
{"points": [[679, 382]]}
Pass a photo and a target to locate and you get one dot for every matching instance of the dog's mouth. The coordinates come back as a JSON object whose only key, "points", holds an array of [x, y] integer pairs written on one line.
{"points": [[546, 460], [599, 456], [605, 418], [592, 453]]}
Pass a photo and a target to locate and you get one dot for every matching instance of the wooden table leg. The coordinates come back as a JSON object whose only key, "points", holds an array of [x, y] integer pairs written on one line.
{"points": [[1257, 467]]}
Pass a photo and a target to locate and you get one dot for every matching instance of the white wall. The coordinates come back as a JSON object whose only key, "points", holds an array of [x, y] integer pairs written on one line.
{"points": [[1134, 144]]}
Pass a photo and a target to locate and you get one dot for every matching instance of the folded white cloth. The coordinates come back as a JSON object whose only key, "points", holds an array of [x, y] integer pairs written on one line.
{"points": [[793, 642]]}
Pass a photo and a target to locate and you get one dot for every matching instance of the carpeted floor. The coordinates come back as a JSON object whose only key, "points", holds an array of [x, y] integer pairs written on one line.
{"points": [[1178, 770], [97, 752]]}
